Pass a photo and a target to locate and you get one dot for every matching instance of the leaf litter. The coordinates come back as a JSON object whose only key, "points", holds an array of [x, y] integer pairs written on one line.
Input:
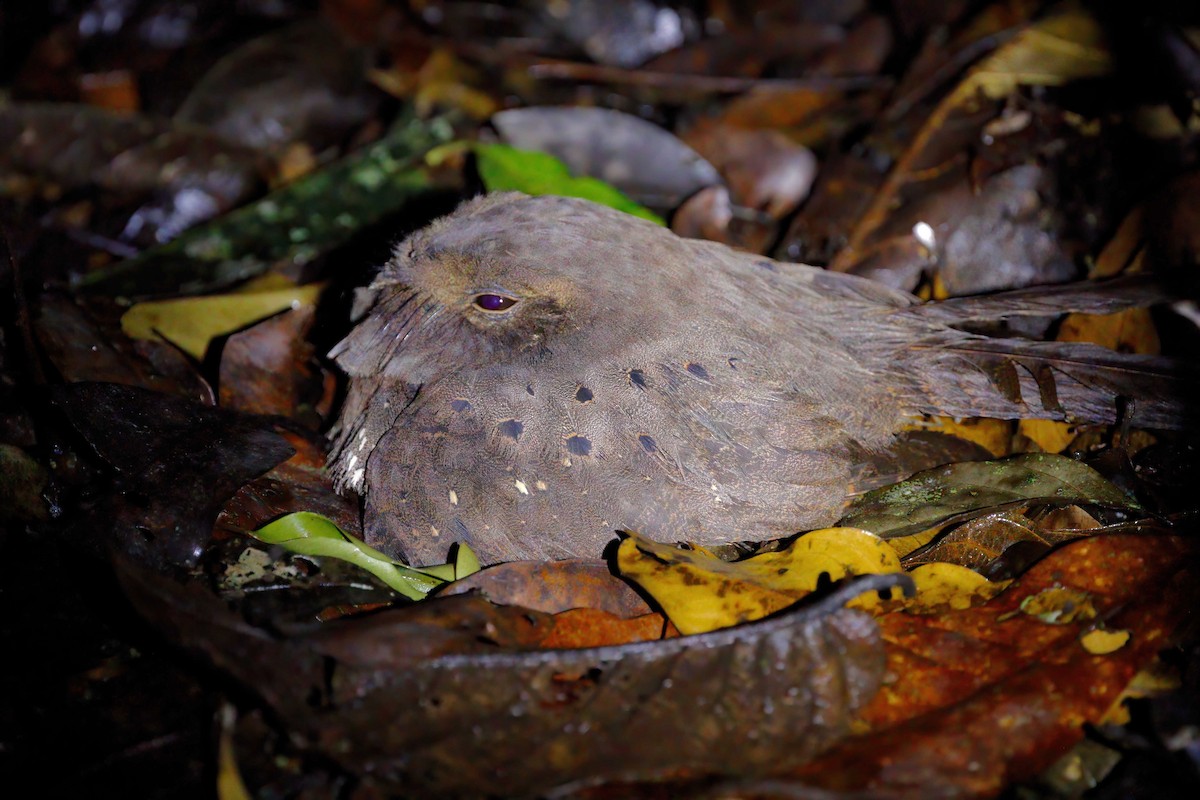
{"points": [[535, 677]]}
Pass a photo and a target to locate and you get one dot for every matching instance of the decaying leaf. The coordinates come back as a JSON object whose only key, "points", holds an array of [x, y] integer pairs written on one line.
{"points": [[302, 82], [554, 586], [959, 678], [982, 226], [443, 81], [175, 464], [289, 226], [269, 368], [82, 351], [697, 590], [589, 627], [22, 479], [80, 145], [931, 498], [1051, 436], [979, 541], [1057, 605], [525, 722]]}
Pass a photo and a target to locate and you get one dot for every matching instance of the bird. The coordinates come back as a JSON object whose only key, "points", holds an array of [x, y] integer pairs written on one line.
{"points": [[530, 374]]}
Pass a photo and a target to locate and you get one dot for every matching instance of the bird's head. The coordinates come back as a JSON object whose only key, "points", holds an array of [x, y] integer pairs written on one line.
{"points": [[509, 276]]}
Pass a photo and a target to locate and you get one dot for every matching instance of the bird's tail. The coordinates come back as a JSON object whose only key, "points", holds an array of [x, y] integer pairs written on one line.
{"points": [[959, 373]]}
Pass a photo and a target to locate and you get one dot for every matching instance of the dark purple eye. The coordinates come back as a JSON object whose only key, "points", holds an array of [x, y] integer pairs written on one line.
{"points": [[494, 302]]}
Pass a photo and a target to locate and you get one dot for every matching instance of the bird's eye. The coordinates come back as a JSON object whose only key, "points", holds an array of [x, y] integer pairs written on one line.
{"points": [[494, 302]]}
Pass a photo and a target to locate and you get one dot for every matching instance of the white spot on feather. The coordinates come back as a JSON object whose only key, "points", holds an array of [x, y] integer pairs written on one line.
{"points": [[923, 233], [453, 497], [521, 487]]}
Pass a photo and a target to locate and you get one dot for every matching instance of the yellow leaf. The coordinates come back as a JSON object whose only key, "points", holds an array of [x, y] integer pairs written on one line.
{"points": [[1050, 436], [1160, 122], [192, 322], [696, 590], [1052, 52], [700, 592], [444, 80], [1102, 642], [836, 552], [938, 290], [1154, 680], [941, 585], [993, 435], [1130, 331], [903, 545], [1125, 252], [230, 785], [1059, 606]]}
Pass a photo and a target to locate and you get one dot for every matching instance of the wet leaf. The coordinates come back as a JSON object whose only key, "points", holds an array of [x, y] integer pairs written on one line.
{"points": [[1055, 51], [192, 323], [81, 350], [311, 534], [78, 145], [175, 464], [932, 497], [1129, 331], [405, 637], [698, 591], [765, 170], [230, 785], [522, 723], [284, 490], [624, 33], [505, 168], [443, 81]]}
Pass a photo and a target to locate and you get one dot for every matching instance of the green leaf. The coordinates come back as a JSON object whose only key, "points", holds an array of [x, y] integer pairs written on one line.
{"points": [[465, 562], [957, 491], [292, 225], [308, 534], [504, 168]]}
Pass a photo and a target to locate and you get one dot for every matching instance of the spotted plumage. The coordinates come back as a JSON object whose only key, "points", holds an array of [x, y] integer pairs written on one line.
{"points": [[534, 373]]}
